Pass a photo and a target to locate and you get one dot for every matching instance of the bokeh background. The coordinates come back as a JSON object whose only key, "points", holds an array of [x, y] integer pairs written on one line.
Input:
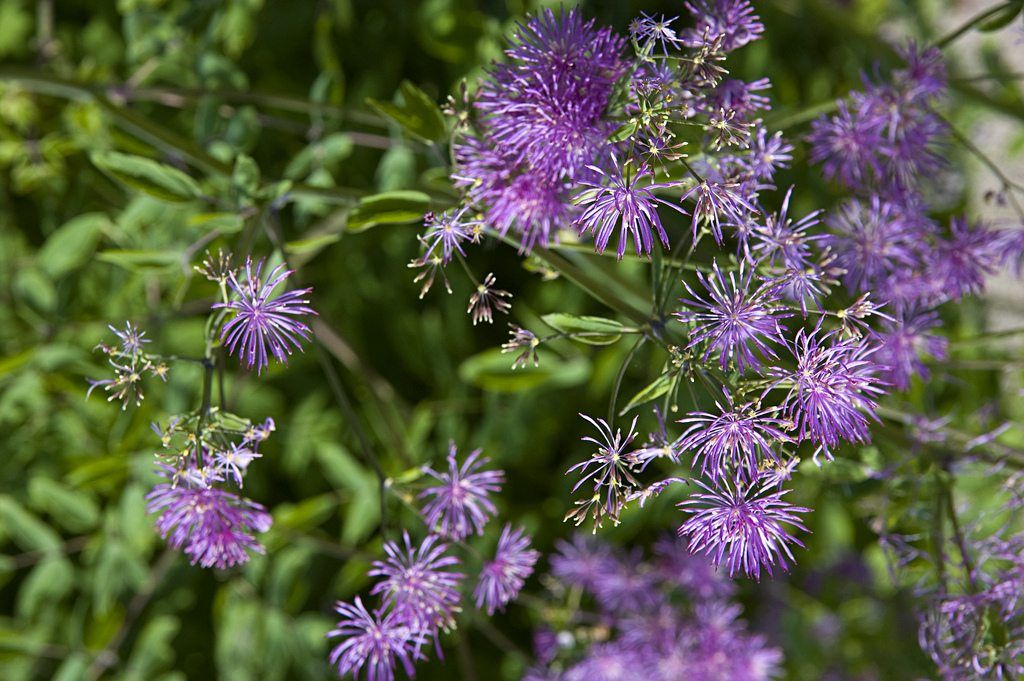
{"points": [[88, 591]]}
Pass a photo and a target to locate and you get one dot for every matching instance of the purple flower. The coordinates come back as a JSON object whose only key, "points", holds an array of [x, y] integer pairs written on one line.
{"points": [[263, 322], [486, 299], [924, 76], [611, 469], [692, 573], [628, 585], [902, 342], [743, 529], [659, 444], [733, 318], [834, 388], [233, 461], [607, 662], [446, 232], [713, 201], [584, 562], [962, 261], [871, 241], [848, 144], [418, 584], [783, 241], [730, 22], [625, 200], [215, 527], [376, 642], [541, 120], [767, 154], [524, 342], [461, 504], [736, 441], [648, 31], [502, 578]]}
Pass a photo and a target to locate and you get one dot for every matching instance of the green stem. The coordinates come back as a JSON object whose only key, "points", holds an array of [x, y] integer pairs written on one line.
{"points": [[978, 18]]}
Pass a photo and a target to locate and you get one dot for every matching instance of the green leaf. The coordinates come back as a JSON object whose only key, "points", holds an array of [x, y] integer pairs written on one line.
{"points": [[48, 582], [223, 223], [418, 114], [606, 331], [305, 515], [32, 286], [30, 533], [1002, 18], [389, 208], [246, 175], [492, 370], [72, 245], [73, 509], [327, 152], [147, 176], [312, 245], [141, 261], [658, 387]]}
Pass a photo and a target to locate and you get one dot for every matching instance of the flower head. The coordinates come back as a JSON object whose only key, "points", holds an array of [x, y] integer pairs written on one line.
{"points": [[744, 529], [833, 389], [416, 581], [736, 441], [460, 505], [261, 322], [214, 526], [734, 320], [486, 299], [524, 342], [625, 200], [610, 470], [376, 642], [714, 201], [502, 578]]}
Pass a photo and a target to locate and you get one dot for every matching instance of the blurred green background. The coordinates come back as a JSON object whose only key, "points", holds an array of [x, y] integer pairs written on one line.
{"points": [[87, 590]]}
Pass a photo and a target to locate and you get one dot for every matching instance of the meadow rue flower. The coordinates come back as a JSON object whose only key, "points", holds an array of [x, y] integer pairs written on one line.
{"points": [[832, 392], [524, 342], [729, 23], [264, 324], [735, 319], [736, 441], [461, 505], [846, 144], [745, 529], [502, 578], [610, 471], [904, 341], [623, 199], [583, 562], [871, 241], [541, 120], [216, 528], [373, 642], [648, 31], [486, 299], [418, 583], [963, 261], [714, 201]]}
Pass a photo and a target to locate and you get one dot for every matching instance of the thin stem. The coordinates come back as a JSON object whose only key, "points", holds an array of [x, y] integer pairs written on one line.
{"points": [[978, 18], [622, 373]]}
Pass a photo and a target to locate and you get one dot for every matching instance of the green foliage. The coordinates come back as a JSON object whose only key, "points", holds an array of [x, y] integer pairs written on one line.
{"points": [[136, 135]]}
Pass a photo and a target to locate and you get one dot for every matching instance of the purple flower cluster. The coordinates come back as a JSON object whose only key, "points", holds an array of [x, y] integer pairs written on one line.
{"points": [[666, 617], [420, 587], [883, 145], [214, 526], [539, 120]]}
